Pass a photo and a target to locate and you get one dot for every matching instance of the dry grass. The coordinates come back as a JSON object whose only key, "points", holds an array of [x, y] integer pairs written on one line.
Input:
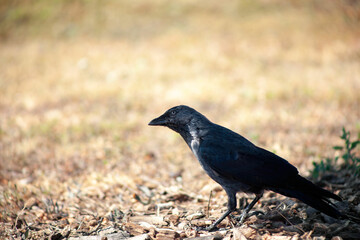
{"points": [[80, 82]]}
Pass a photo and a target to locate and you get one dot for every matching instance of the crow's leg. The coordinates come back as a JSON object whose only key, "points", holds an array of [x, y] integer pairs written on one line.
{"points": [[231, 207], [249, 207]]}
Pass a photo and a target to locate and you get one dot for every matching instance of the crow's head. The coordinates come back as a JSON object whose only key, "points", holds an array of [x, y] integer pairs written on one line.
{"points": [[178, 118]]}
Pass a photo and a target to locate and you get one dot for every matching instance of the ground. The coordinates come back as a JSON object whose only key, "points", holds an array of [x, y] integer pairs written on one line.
{"points": [[80, 80]]}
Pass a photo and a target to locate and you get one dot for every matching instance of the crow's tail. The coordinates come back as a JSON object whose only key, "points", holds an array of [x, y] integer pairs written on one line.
{"points": [[312, 195]]}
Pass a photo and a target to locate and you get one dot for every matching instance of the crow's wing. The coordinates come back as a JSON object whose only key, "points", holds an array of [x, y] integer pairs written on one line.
{"points": [[248, 164]]}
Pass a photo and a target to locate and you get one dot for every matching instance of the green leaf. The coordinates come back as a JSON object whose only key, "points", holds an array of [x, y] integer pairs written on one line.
{"points": [[344, 133], [338, 147], [354, 144]]}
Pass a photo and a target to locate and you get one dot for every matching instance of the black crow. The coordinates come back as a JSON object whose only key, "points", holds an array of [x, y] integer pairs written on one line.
{"points": [[240, 166]]}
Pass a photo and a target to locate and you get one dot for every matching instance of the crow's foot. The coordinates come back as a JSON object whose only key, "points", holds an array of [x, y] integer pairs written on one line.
{"points": [[245, 215]]}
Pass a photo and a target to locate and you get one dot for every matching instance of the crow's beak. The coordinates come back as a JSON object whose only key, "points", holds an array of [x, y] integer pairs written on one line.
{"points": [[160, 121]]}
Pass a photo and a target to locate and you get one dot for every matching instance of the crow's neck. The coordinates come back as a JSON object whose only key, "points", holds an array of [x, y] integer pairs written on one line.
{"points": [[194, 131]]}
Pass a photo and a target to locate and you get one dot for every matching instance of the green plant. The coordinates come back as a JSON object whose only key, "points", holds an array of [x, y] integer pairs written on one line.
{"points": [[351, 160]]}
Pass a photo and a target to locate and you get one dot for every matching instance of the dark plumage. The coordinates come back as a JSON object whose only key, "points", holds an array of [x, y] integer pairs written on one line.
{"points": [[240, 166]]}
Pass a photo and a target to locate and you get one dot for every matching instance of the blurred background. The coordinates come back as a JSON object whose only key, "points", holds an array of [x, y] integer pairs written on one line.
{"points": [[80, 80]]}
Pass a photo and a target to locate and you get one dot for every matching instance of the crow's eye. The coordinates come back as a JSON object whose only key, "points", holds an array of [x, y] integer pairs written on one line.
{"points": [[173, 112]]}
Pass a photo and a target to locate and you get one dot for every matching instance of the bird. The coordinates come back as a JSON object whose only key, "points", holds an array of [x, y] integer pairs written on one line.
{"points": [[238, 165]]}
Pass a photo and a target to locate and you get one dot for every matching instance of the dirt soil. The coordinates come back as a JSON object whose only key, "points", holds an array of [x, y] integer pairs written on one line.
{"points": [[80, 80]]}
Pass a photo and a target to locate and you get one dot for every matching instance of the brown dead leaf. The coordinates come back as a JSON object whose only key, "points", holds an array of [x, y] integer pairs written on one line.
{"points": [[201, 222], [245, 231], [134, 229], [173, 219], [196, 215], [151, 219], [181, 197], [237, 234], [279, 237], [164, 234]]}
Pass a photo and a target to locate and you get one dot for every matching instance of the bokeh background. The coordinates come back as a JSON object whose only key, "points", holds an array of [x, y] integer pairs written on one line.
{"points": [[80, 80]]}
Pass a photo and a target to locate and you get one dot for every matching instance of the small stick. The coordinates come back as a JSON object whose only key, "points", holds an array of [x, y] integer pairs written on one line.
{"points": [[208, 206]]}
